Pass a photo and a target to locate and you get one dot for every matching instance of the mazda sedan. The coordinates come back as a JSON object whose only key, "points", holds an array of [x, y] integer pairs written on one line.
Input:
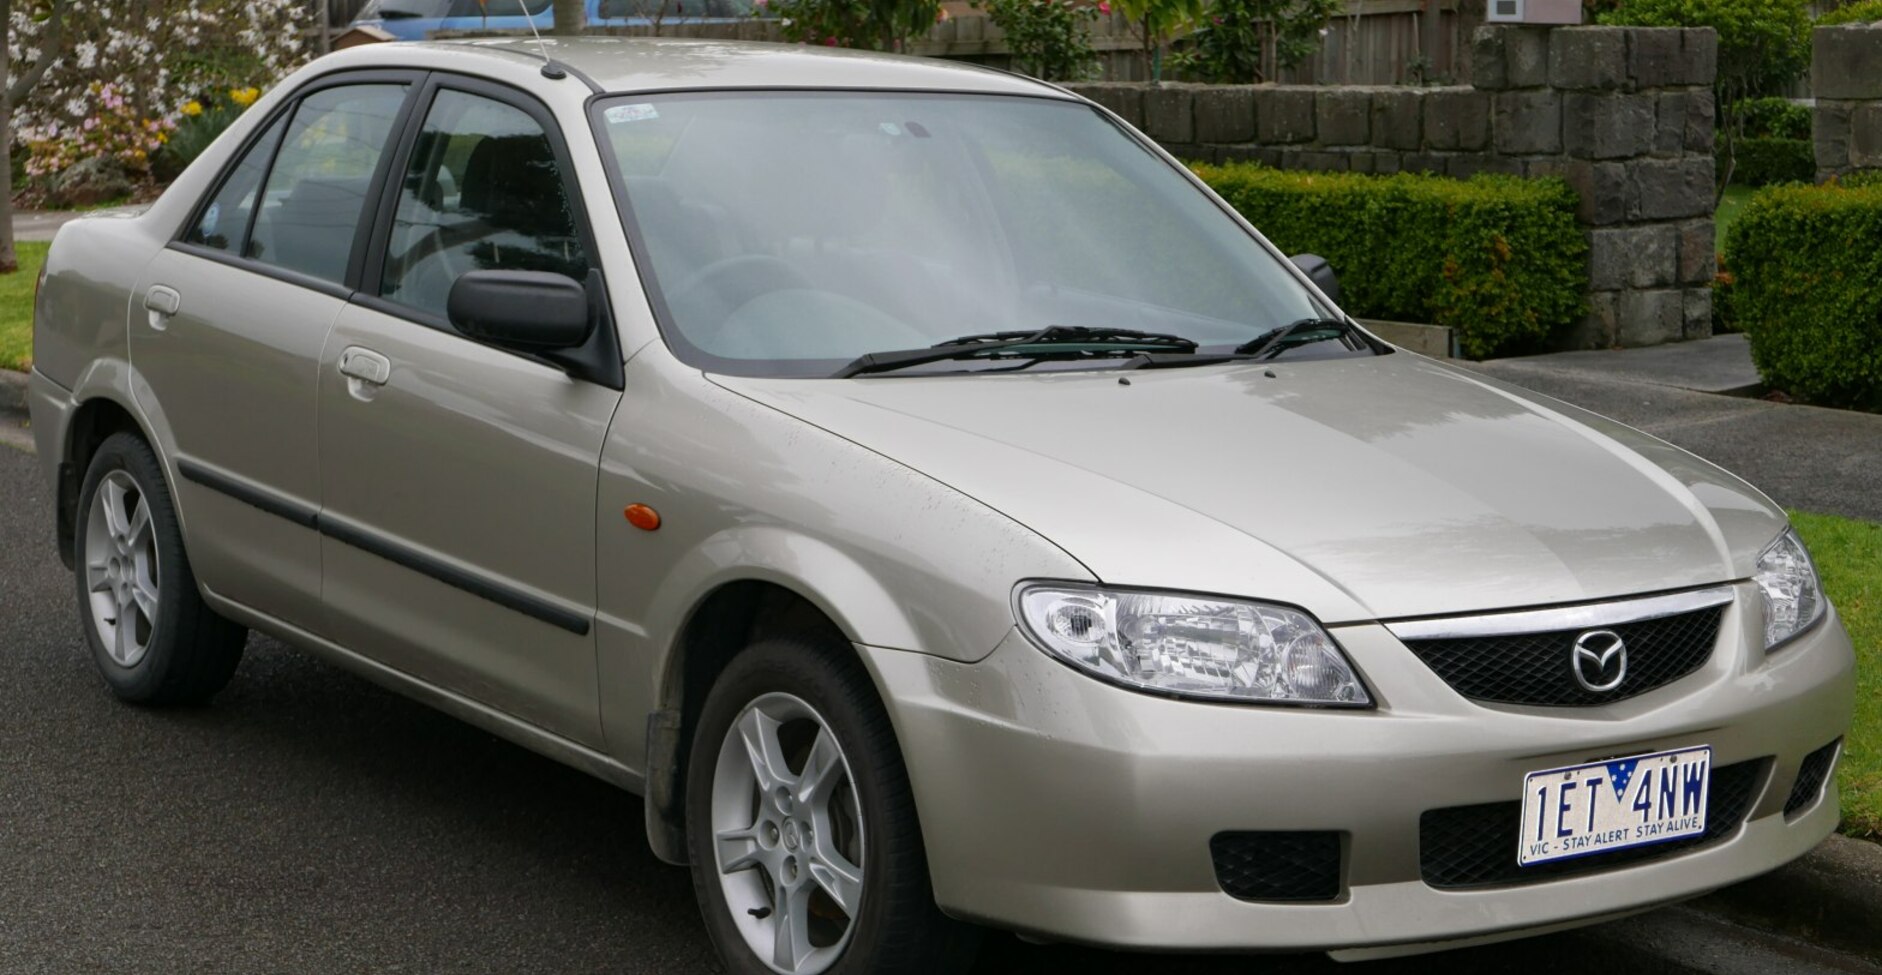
{"points": [[936, 502]]}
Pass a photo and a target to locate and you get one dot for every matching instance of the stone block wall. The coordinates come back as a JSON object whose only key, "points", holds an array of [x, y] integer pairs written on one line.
{"points": [[1846, 80], [1625, 115]]}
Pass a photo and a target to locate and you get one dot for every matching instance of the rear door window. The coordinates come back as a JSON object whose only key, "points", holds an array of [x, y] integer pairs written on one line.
{"points": [[316, 191]]}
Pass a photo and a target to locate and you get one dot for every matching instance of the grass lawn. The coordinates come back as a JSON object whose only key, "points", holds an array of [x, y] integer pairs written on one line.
{"points": [[1849, 557], [1735, 197], [16, 308]]}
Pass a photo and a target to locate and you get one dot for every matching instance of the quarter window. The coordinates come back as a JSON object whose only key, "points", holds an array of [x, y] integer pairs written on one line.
{"points": [[317, 188], [483, 192]]}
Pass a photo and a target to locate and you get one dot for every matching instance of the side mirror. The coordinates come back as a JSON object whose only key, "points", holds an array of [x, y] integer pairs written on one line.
{"points": [[533, 311], [1320, 272]]}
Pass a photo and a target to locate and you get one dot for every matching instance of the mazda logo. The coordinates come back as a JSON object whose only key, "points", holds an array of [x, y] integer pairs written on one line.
{"points": [[1599, 660]]}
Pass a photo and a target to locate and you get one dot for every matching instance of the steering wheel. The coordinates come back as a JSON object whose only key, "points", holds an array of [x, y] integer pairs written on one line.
{"points": [[721, 288]]}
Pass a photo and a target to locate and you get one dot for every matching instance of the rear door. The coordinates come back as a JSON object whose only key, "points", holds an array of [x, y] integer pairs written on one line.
{"points": [[228, 324], [459, 479]]}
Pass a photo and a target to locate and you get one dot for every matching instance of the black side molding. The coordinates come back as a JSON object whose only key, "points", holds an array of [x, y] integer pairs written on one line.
{"points": [[474, 583], [303, 515], [372, 543]]}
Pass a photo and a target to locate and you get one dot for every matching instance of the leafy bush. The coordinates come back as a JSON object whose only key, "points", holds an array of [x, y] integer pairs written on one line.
{"points": [[1861, 12], [202, 121], [1765, 160], [1050, 39], [1763, 44], [1500, 259], [1245, 41], [881, 25], [1804, 263], [1774, 117]]}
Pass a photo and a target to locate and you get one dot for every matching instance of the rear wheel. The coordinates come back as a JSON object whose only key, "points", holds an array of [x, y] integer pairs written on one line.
{"points": [[153, 639], [806, 854]]}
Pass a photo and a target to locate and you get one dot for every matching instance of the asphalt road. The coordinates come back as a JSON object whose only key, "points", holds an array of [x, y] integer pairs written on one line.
{"points": [[310, 822]]}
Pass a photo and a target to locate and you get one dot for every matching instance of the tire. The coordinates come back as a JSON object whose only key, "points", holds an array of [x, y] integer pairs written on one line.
{"points": [[863, 809], [129, 559]]}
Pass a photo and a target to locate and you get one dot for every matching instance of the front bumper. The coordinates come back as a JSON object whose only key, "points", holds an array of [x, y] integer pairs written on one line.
{"points": [[1066, 808]]}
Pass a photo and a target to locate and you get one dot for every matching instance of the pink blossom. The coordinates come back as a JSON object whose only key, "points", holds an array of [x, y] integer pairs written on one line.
{"points": [[1104, 7], [829, 42]]}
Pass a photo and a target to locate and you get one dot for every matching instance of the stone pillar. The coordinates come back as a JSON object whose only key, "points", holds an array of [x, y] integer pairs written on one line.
{"points": [[1846, 80], [1625, 115]]}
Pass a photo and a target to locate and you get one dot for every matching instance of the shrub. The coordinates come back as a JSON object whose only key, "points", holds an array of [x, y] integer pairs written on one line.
{"points": [[1765, 160], [883, 26], [1243, 41], [1774, 117], [1804, 263], [1861, 12], [1499, 259], [201, 122], [1050, 39]]}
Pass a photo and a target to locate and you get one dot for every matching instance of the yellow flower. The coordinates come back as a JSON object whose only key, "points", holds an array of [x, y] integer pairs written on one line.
{"points": [[192, 108], [244, 96], [163, 138]]}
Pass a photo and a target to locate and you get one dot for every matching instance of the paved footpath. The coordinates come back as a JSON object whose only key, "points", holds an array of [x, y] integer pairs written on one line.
{"points": [[1818, 460]]}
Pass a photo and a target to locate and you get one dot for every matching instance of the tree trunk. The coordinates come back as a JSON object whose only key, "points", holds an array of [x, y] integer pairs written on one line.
{"points": [[9, 257], [570, 17]]}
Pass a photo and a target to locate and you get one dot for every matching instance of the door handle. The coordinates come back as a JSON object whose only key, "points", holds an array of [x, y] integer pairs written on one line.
{"points": [[162, 302], [365, 366]]}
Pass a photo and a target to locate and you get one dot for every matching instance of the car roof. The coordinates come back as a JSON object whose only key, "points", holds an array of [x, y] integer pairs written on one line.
{"points": [[624, 64]]}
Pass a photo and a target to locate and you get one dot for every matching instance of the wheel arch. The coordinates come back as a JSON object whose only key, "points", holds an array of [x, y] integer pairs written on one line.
{"points": [[94, 419], [722, 622]]}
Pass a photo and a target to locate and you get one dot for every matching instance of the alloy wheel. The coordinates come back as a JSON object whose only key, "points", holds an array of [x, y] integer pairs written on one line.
{"points": [[121, 568], [788, 835]]}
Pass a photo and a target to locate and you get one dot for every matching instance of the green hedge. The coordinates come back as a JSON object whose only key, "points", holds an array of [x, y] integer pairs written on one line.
{"points": [[1861, 12], [1499, 259], [1767, 160], [1804, 265]]}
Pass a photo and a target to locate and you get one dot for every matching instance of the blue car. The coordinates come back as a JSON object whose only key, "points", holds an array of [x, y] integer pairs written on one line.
{"points": [[412, 20]]}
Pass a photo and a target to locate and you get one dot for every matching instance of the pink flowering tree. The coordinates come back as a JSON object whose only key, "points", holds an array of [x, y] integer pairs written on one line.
{"points": [[22, 68], [126, 69]]}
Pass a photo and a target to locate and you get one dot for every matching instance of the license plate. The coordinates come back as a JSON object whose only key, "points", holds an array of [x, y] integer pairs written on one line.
{"points": [[1601, 807]]}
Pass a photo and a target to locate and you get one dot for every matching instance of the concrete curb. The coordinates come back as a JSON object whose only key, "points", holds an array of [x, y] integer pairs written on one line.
{"points": [[1832, 896], [12, 392]]}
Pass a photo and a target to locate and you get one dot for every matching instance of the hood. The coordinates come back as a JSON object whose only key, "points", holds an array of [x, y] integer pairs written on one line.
{"points": [[1377, 488]]}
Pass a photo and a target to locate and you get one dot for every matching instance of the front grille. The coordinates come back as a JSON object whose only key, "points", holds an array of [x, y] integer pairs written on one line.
{"points": [[1475, 846], [1274, 866], [1811, 775], [1538, 668]]}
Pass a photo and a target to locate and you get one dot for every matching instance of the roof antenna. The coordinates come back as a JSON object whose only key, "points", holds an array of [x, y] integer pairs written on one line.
{"points": [[550, 69]]}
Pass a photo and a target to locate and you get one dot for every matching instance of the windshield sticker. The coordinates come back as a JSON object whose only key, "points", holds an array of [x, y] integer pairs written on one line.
{"points": [[639, 112], [211, 218]]}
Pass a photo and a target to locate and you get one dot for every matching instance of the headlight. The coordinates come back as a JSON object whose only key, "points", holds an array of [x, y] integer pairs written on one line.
{"points": [[1197, 646], [1792, 598]]}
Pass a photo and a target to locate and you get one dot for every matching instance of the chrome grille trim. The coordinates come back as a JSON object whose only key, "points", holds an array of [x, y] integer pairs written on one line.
{"points": [[1579, 617]]}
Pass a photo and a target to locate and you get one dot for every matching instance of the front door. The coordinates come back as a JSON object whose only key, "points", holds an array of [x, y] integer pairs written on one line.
{"points": [[460, 479]]}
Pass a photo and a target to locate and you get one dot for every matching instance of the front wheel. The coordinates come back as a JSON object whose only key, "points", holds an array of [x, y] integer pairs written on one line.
{"points": [[806, 853]]}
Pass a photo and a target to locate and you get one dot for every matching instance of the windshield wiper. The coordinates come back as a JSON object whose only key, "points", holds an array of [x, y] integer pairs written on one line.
{"points": [[987, 343], [1275, 341]]}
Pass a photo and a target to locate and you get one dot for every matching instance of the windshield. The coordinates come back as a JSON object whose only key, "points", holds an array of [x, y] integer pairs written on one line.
{"points": [[789, 233]]}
